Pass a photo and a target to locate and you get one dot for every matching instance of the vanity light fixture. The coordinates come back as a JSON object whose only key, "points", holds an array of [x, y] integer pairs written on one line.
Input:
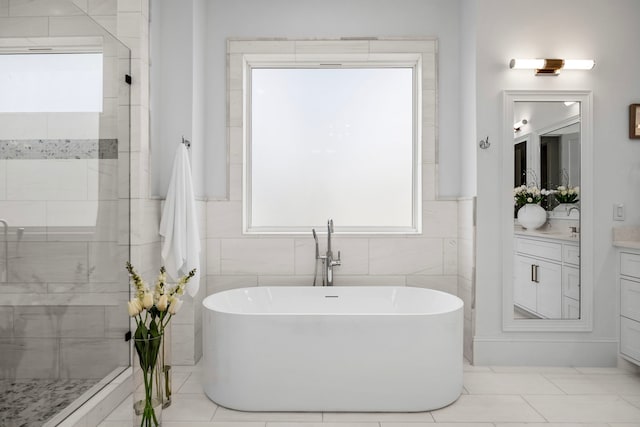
{"points": [[551, 67], [518, 125]]}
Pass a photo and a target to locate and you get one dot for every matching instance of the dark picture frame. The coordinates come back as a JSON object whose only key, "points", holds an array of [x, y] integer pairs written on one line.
{"points": [[634, 121]]}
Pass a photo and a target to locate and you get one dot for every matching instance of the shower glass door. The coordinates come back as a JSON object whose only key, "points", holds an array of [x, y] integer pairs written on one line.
{"points": [[64, 215]]}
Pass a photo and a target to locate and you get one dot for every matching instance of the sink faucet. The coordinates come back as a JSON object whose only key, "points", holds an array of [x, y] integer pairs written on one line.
{"points": [[572, 208], [327, 260]]}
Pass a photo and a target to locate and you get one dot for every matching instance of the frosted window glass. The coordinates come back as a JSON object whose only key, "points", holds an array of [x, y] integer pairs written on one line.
{"points": [[332, 143], [50, 83]]}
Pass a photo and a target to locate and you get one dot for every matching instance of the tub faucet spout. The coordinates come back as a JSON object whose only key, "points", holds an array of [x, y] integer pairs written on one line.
{"points": [[330, 262]]}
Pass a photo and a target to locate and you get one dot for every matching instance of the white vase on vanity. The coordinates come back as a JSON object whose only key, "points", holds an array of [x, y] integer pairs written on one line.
{"points": [[532, 216]]}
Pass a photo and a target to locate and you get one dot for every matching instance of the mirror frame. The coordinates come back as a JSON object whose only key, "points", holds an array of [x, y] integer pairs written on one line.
{"points": [[585, 323]]}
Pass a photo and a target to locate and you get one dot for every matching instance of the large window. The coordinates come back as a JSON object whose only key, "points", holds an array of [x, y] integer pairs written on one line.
{"points": [[337, 141]]}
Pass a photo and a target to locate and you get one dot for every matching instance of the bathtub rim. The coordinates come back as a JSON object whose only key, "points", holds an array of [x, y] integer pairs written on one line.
{"points": [[456, 303]]}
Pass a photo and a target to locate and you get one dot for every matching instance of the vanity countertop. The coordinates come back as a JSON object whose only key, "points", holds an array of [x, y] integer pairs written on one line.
{"points": [[626, 237], [547, 234]]}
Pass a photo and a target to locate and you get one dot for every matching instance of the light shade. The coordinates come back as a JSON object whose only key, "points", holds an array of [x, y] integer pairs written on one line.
{"points": [[551, 67], [518, 125]]}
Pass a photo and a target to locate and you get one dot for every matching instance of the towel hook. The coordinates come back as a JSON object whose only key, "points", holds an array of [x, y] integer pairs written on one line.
{"points": [[186, 142]]}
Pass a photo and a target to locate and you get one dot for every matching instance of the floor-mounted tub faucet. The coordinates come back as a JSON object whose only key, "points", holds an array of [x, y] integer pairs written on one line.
{"points": [[327, 260]]}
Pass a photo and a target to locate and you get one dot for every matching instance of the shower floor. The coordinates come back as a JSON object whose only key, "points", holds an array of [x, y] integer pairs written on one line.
{"points": [[31, 402]]}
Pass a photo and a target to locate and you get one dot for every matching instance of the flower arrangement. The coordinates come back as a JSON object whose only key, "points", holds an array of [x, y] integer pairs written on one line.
{"points": [[152, 312], [566, 194], [528, 194]]}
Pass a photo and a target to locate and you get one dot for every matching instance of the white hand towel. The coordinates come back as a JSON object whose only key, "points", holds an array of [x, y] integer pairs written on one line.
{"points": [[179, 224]]}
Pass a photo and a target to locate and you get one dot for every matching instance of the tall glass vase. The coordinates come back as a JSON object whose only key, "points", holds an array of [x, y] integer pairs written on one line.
{"points": [[165, 371], [149, 383]]}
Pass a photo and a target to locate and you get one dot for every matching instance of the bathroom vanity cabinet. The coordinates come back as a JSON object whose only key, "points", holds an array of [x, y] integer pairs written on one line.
{"points": [[547, 276], [629, 277]]}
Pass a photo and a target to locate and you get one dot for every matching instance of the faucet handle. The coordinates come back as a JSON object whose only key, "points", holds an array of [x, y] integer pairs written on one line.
{"points": [[336, 261]]}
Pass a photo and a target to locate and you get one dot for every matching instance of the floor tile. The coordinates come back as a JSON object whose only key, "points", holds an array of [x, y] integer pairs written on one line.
{"points": [[597, 383], [633, 399], [224, 414], [178, 379], [123, 411], [192, 385], [598, 370], [489, 408], [189, 408], [320, 424], [588, 408], [551, 425], [436, 425], [492, 383], [534, 370], [376, 416], [214, 424]]}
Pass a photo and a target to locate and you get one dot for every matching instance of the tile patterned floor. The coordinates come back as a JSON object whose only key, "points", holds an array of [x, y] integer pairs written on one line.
{"points": [[31, 402], [492, 397]]}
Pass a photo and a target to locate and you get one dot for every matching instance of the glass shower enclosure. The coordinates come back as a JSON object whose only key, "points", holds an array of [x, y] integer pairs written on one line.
{"points": [[64, 210]]}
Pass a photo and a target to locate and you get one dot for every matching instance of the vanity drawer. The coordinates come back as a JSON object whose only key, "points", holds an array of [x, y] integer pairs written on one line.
{"points": [[630, 338], [630, 299], [571, 254], [539, 248], [630, 264]]}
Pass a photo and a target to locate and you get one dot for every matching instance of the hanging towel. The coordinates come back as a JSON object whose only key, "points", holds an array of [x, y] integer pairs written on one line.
{"points": [[179, 224]]}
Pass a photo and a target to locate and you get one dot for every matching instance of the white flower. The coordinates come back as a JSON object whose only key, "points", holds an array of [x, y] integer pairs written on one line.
{"points": [[529, 200], [147, 300], [175, 305], [563, 192], [163, 301], [561, 188], [134, 307], [576, 189]]}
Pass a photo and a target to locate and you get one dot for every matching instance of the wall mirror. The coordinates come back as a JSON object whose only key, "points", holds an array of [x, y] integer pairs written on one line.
{"points": [[547, 211]]}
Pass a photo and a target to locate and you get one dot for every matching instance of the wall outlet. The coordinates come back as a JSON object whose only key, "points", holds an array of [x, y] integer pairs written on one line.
{"points": [[618, 212]]}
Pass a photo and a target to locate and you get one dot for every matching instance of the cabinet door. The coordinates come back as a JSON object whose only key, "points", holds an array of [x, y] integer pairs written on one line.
{"points": [[524, 289], [570, 308], [549, 289], [571, 282], [630, 338]]}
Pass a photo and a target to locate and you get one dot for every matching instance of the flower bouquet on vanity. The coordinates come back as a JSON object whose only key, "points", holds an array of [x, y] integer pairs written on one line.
{"points": [[527, 201], [152, 311]]}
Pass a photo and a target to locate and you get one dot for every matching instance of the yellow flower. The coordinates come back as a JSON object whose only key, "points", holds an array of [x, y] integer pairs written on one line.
{"points": [[162, 303], [175, 305], [147, 300], [134, 307]]}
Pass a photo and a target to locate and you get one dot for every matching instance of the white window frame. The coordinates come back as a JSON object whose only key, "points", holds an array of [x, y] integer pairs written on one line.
{"points": [[382, 60]]}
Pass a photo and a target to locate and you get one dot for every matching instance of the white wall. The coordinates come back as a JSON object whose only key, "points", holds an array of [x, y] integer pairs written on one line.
{"points": [[333, 18], [604, 31]]}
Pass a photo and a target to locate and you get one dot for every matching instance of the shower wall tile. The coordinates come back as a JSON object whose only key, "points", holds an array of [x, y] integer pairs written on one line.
{"points": [[110, 23], [235, 145], [24, 214], [182, 344], [24, 27], [429, 177], [20, 288], [102, 7], [213, 256], [71, 126], [4, 8], [3, 180], [102, 179], [106, 263], [6, 322], [74, 26], [31, 180], [92, 358], [287, 280], [378, 280], [23, 125], [41, 8], [29, 357], [235, 182], [58, 321], [72, 214], [257, 256], [116, 323], [406, 256], [34, 262]]}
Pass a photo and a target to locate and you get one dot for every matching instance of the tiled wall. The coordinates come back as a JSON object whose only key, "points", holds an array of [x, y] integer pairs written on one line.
{"points": [[466, 269], [427, 260], [63, 311]]}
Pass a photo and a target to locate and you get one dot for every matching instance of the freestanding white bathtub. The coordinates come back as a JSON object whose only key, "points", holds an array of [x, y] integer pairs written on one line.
{"points": [[361, 349]]}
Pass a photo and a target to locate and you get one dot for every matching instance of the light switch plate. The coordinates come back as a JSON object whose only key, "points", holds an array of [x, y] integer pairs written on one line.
{"points": [[618, 212]]}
